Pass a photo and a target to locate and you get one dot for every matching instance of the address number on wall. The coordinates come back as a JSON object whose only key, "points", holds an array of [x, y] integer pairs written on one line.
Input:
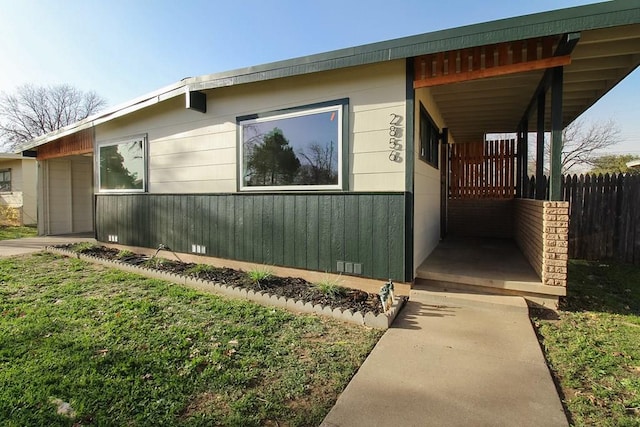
{"points": [[395, 138]]}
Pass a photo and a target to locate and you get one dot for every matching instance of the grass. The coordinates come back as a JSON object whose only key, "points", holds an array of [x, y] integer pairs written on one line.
{"points": [[331, 287], [593, 348], [11, 232], [121, 349]]}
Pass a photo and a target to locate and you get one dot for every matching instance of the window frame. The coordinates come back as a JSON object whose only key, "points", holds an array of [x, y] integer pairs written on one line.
{"points": [[2, 171], [145, 160], [428, 150], [340, 106]]}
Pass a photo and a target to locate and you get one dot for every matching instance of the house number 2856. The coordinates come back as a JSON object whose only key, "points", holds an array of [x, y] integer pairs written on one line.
{"points": [[395, 137]]}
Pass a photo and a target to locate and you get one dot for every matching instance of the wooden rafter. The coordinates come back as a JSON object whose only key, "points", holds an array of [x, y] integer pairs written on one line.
{"points": [[487, 61]]}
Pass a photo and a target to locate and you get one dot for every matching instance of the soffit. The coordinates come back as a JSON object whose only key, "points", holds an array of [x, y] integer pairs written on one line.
{"points": [[601, 59]]}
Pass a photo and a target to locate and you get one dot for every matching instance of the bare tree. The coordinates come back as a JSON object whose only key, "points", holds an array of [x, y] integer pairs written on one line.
{"points": [[320, 165], [36, 110], [582, 143]]}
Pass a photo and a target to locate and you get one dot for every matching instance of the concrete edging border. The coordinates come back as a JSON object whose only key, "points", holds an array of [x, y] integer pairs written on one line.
{"points": [[380, 321]]}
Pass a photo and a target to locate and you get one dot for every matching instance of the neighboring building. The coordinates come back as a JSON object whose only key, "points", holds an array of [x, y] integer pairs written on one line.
{"points": [[350, 161], [18, 196]]}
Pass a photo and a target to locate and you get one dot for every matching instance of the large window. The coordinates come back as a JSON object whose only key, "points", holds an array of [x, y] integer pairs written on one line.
{"points": [[293, 150], [429, 136], [122, 165], [5, 180]]}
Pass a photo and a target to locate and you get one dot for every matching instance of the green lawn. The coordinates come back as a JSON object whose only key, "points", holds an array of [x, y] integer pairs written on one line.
{"points": [[104, 347], [594, 347], [10, 232]]}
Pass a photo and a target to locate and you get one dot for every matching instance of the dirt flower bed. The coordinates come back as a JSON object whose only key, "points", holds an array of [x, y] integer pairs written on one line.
{"points": [[326, 294]]}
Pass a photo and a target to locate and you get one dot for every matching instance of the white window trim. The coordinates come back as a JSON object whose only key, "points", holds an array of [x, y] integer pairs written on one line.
{"points": [[298, 113], [126, 140]]}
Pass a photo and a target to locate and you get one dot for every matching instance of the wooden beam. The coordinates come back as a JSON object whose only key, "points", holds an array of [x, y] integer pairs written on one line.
{"points": [[540, 64], [70, 145], [540, 187], [556, 135], [47, 156]]}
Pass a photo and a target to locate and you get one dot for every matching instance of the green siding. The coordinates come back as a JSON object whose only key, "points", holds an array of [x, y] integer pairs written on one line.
{"points": [[309, 231]]}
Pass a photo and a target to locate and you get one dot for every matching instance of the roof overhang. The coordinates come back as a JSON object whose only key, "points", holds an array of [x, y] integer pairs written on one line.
{"points": [[608, 50], [12, 156], [599, 61]]}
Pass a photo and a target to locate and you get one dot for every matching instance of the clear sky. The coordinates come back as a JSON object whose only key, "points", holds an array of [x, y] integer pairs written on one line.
{"points": [[125, 48]]}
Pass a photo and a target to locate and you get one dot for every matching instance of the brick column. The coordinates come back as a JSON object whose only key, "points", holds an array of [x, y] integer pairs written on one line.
{"points": [[541, 230], [555, 243]]}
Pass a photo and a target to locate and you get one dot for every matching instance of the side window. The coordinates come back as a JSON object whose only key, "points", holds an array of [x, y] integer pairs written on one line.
{"points": [[5, 180], [429, 138], [122, 165]]}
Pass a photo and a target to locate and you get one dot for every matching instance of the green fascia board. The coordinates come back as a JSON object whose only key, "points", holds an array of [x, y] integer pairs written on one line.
{"points": [[576, 19]]}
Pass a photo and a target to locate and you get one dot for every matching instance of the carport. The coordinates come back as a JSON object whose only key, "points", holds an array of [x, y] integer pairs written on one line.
{"points": [[65, 185]]}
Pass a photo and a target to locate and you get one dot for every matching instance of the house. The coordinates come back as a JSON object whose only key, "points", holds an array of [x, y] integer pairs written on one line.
{"points": [[357, 161], [18, 190]]}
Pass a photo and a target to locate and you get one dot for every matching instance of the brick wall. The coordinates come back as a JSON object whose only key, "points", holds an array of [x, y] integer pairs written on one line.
{"points": [[541, 230], [480, 217]]}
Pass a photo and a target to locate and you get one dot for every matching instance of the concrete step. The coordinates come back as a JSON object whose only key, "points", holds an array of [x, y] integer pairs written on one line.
{"points": [[434, 295]]}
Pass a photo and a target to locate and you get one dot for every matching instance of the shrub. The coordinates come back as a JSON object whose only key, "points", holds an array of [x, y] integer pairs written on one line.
{"points": [[10, 216]]}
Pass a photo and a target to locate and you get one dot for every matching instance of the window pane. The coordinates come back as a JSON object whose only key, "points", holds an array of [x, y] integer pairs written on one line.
{"points": [[5, 180], [286, 151], [122, 166], [429, 139]]}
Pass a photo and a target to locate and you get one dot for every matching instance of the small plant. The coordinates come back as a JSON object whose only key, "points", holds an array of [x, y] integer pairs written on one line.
{"points": [[199, 270], [260, 274], [124, 253], [83, 247], [331, 287], [156, 262]]}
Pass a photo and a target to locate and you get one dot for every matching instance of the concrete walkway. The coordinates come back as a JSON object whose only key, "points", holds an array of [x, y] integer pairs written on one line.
{"points": [[453, 360], [34, 244]]}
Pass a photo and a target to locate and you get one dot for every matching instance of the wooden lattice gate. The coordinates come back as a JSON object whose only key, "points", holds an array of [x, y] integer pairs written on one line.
{"points": [[483, 170], [482, 184]]}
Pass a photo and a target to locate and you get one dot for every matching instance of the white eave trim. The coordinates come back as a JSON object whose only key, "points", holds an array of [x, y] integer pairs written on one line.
{"points": [[120, 110]]}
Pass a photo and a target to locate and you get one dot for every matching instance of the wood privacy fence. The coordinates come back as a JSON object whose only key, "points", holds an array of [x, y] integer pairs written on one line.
{"points": [[605, 215], [482, 170]]}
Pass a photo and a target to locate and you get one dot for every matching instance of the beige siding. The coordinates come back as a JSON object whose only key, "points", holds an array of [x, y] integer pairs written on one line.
{"points": [[68, 195], [426, 187], [29, 192], [190, 152], [58, 198], [82, 194], [23, 194], [14, 197]]}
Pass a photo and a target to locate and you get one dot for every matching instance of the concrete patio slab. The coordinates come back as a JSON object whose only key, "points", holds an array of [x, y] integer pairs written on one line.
{"points": [[480, 261], [453, 361], [485, 265]]}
